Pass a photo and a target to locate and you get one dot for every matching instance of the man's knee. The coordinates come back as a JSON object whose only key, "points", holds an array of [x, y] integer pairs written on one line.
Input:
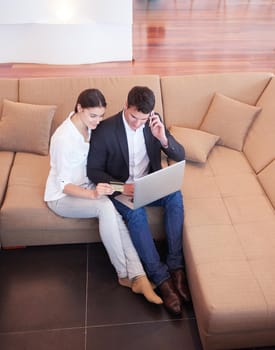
{"points": [[175, 197], [137, 216]]}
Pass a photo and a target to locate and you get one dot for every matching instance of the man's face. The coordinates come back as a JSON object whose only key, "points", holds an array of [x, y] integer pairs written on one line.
{"points": [[134, 118]]}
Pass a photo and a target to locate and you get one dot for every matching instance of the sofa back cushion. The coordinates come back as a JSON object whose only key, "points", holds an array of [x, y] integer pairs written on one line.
{"points": [[8, 90], [259, 146], [267, 180], [63, 92], [187, 98]]}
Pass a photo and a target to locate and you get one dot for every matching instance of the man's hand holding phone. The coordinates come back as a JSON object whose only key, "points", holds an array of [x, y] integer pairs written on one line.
{"points": [[157, 128]]}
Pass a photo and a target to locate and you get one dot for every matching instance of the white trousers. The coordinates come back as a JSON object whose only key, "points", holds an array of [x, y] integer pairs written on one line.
{"points": [[112, 229]]}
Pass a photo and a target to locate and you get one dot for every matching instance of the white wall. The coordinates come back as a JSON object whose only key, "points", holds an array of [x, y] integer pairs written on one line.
{"points": [[65, 31]]}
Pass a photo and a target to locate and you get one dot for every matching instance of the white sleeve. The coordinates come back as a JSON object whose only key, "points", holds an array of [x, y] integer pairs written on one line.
{"points": [[61, 149]]}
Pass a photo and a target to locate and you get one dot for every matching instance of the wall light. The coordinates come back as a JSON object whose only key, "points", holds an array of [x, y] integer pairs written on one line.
{"points": [[64, 11]]}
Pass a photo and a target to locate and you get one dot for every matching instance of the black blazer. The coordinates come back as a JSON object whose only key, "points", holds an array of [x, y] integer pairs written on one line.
{"points": [[108, 158]]}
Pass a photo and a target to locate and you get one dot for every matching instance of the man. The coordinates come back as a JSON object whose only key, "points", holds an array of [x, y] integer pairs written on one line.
{"points": [[128, 146]]}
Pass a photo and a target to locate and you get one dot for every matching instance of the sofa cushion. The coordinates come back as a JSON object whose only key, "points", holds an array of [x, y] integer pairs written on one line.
{"points": [[257, 238], [205, 211], [197, 143], [6, 159], [267, 180], [25, 127], [238, 184], [249, 208], [199, 182], [259, 146], [35, 223], [227, 161], [230, 119], [224, 307], [238, 303]]}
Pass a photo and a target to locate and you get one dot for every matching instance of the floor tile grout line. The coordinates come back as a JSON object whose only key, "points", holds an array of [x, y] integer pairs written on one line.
{"points": [[140, 323], [41, 330], [94, 326], [86, 299]]}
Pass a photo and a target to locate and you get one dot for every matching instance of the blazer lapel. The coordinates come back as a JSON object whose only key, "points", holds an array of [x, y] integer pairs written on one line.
{"points": [[122, 139], [148, 141]]}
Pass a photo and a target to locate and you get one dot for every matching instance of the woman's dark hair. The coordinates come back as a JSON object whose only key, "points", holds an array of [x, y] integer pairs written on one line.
{"points": [[90, 98], [142, 98]]}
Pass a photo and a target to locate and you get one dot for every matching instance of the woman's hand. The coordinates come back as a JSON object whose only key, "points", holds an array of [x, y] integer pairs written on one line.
{"points": [[103, 189]]}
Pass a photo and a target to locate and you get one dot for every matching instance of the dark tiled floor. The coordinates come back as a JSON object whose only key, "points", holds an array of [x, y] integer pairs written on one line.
{"points": [[67, 297]]}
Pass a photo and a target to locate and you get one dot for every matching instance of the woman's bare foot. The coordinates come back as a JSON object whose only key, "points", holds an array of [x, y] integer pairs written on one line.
{"points": [[125, 282], [141, 285]]}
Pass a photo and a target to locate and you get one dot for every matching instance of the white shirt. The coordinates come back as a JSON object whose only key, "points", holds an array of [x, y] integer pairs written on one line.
{"points": [[68, 153], [138, 158]]}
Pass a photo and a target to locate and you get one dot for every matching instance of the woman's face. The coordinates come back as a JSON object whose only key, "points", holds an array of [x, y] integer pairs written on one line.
{"points": [[92, 116]]}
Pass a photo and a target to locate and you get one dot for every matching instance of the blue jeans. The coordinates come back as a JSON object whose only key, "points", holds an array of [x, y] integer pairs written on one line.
{"points": [[139, 230]]}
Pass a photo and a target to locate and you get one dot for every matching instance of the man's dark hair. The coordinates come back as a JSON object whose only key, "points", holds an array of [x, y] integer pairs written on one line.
{"points": [[90, 98], [142, 98]]}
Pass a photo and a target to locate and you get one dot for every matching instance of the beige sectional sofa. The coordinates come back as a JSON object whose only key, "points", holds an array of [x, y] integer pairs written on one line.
{"points": [[227, 124]]}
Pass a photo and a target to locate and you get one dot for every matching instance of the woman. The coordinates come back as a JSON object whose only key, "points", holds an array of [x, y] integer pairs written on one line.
{"points": [[70, 194]]}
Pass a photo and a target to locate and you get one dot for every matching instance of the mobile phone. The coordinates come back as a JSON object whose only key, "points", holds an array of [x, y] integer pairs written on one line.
{"points": [[150, 117]]}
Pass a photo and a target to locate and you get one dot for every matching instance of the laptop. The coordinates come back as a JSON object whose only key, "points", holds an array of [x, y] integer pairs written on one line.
{"points": [[155, 186]]}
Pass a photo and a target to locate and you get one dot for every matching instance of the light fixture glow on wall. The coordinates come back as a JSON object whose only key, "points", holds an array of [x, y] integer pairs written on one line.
{"points": [[64, 11]]}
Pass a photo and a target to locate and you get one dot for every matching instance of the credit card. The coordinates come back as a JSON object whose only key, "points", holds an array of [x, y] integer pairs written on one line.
{"points": [[117, 186]]}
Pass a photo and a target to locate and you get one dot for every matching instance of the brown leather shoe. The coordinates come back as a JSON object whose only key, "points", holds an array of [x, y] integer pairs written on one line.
{"points": [[170, 297], [179, 280]]}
